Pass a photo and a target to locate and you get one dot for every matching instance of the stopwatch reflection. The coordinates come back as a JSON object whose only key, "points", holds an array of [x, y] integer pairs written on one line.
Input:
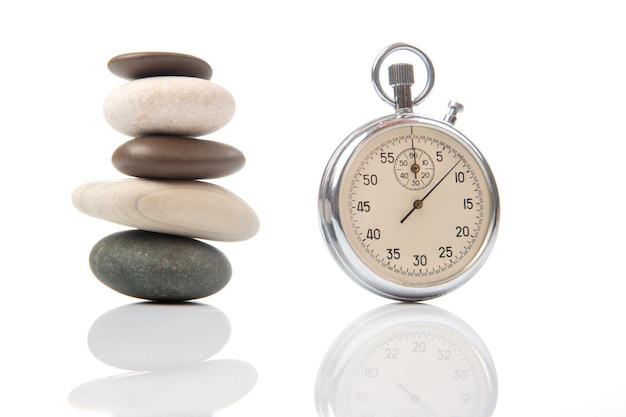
{"points": [[407, 360], [166, 346]]}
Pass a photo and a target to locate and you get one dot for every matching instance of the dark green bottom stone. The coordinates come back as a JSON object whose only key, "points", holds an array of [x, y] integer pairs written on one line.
{"points": [[159, 267]]}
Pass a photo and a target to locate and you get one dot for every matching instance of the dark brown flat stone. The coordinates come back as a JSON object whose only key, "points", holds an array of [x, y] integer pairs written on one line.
{"points": [[175, 157], [136, 65]]}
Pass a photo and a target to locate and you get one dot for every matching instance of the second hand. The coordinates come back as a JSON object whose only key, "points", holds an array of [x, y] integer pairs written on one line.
{"points": [[418, 204]]}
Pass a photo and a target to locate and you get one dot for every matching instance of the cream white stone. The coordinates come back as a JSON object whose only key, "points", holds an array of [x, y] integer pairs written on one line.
{"points": [[182, 106], [194, 390], [187, 208]]}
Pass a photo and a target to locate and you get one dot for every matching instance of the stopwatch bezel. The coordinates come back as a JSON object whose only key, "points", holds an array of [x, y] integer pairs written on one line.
{"points": [[335, 235], [386, 319]]}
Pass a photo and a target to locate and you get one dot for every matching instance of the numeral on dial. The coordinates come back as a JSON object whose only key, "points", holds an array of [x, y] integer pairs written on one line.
{"points": [[462, 231], [370, 179], [420, 260], [364, 206], [387, 157], [373, 234]]}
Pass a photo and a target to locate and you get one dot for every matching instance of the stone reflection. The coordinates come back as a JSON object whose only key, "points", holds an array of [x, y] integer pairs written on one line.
{"points": [[407, 360], [166, 347]]}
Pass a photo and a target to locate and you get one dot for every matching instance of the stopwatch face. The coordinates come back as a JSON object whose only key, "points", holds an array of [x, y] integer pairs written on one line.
{"points": [[407, 360], [420, 369], [414, 207]]}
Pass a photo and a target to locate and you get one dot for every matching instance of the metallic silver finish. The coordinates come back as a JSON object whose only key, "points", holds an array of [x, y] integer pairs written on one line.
{"points": [[332, 226], [430, 72], [454, 109], [335, 235], [401, 74], [398, 320], [401, 79]]}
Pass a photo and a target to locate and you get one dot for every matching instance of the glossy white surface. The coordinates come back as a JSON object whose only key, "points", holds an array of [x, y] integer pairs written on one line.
{"points": [[542, 84]]}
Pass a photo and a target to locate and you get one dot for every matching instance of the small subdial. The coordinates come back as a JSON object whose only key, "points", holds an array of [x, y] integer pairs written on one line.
{"points": [[414, 169]]}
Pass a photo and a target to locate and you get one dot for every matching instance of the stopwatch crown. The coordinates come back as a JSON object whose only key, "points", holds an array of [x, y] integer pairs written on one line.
{"points": [[401, 74], [401, 79]]}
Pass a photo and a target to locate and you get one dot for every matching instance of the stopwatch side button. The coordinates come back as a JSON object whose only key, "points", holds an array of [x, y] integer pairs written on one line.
{"points": [[454, 109]]}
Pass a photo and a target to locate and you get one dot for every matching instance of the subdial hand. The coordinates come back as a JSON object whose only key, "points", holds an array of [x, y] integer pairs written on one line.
{"points": [[417, 204], [414, 168]]}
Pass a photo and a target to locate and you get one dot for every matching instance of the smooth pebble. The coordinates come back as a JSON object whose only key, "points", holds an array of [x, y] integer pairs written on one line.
{"points": [[159, 267], [136, 65], [174, 157], [187, 208], [179, 106]]}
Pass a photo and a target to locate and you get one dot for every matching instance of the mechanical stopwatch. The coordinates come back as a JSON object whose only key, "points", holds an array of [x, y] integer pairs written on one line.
{"points": [[407, 360], [408, 205]]}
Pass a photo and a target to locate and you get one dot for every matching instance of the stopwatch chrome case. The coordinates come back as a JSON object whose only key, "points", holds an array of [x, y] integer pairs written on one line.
{"points": [[408, 206], [407, 360]]}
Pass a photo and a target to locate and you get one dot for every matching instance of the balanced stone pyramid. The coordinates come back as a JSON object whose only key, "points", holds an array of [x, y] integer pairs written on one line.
{"points": [[167, 103]]}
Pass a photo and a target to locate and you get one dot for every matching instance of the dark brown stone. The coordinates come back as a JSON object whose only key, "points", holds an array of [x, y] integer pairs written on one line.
{"points": [[175, 157], [136, 65]]}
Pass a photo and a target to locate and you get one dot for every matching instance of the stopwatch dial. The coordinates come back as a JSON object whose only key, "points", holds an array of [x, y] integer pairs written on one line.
{"points": [[416, 204], [427, 371], [414, 168]]}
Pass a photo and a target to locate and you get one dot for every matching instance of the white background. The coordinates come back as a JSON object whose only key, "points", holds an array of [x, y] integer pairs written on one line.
{"points": [[543, 86]]}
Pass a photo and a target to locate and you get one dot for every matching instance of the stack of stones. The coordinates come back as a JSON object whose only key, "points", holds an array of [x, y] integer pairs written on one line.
{"points": [[167, 103]]}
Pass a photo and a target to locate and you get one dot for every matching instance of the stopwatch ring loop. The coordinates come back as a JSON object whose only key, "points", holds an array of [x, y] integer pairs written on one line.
{"points": [[430, 72]]}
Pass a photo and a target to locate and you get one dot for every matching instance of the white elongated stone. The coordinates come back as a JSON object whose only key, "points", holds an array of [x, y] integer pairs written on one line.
{"points": [[172, 105], [186, 208], [194, 390], [150, 336]]}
